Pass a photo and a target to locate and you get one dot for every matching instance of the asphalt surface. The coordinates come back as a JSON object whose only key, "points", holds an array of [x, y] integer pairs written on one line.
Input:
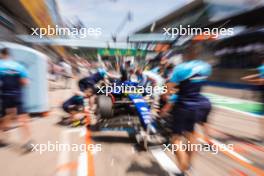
{"points": [[113, 153]]}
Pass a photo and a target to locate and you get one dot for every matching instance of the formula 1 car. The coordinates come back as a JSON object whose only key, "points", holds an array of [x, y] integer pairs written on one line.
{"points": [[146, 129], [109, 100]]}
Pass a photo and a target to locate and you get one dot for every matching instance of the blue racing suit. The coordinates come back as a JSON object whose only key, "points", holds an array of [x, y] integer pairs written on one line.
{"points": [[74, 103]]}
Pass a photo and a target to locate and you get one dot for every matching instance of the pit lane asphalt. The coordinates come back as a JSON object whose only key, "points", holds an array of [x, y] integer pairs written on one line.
{"points": [[119, 155]]}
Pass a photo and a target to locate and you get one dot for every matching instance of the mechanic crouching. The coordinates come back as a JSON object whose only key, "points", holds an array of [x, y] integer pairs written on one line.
{"points": [[75, 107]]}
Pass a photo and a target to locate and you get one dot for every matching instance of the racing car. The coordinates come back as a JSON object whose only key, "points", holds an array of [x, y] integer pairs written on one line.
{"points": [[146, 128]]}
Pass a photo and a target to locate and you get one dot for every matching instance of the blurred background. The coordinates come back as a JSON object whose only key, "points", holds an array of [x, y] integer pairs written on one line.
{"points": [[134, 31]]}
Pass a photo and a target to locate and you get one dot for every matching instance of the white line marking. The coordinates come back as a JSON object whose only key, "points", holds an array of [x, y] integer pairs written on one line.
{"points": [[242, 112], [82, 164], [232, 98], [63, 155], [82, 160], [83, 132], [133, 150], [166, 163], [112, 162], [235, 110]]}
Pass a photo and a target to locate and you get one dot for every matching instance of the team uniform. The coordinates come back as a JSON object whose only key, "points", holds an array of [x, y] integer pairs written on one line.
{"points": [[75, 103], [11, 89], [89, 82], [189, 105]]}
